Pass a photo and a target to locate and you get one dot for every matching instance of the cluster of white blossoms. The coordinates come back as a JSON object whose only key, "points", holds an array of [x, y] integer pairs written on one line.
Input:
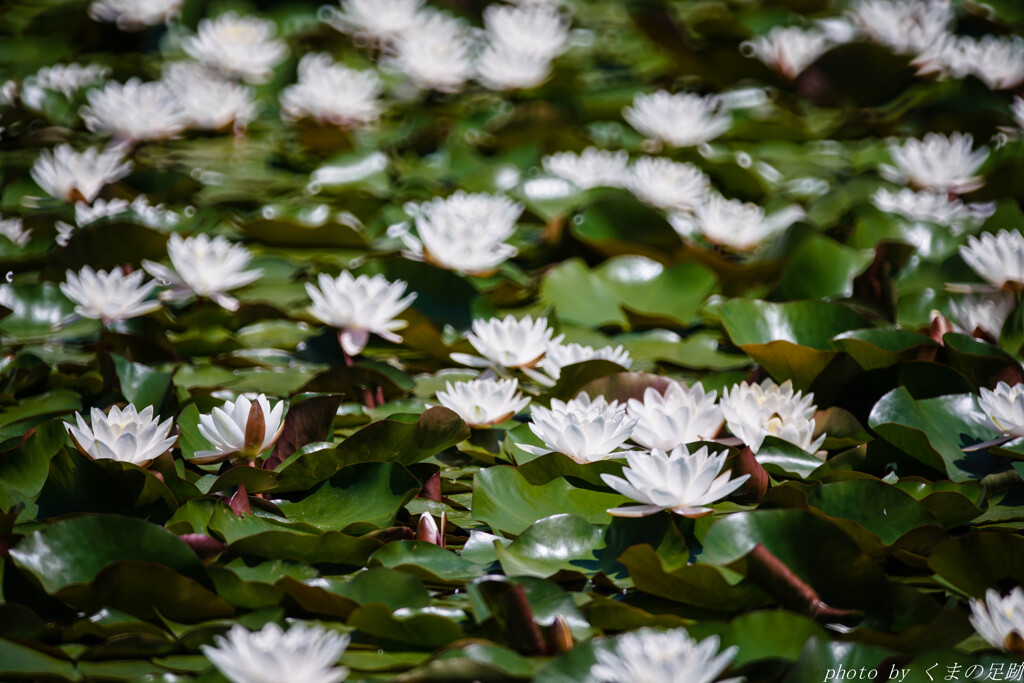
{"points": [[302, 654], [650, 655], [521, 42], [135, 15], [464, 232], [64, 79], [242, 429], [997, 62], [932, 206], [904, 26], [755, 411], [999, 260]]}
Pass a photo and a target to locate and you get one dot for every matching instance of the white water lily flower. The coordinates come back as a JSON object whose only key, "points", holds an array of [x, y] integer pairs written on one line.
{"points": [[241, 428], [241, 47], [680, 120], [733, 223], [1005, 407], [359, 306], [649, 655], [754, 411], [788, 49], [583, 429], [14, 230], [122, 434], [501, 68], [205, 267], [69, 175], [998, 259], [332, 93], [134, 15], [904, 26], [679, 416], [302, 654], [135, 111], [938, 162], [559, 355], [463, 232], [66, 79], [593, 167], [109, 297], [483, 402], [983, 316], [932, 206], [210, 102], [534, 30], [998, 62], [1018, 111], [507, 342], [139, 210], [380, 20], [683, 482], [435, 55], [667, 184], [1000, 619]]}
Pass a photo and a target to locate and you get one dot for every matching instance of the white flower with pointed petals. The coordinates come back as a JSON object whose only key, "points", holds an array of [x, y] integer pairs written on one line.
{"points": [[381, 20], [998, 62], [210, 102], [139, 210], [1005, 407], [501, 68], [507, 342], [685, 483], [788, 49], [559, 355], [904, 26], [998, 258], [134, 15], [109, 297], [1000, 620], [14, 230], [583, 429], [463, 232], [667, 184], [483, 402], [241, 47], [680, 120], [534, 30], [242, 428], [359, 306], [332, 93], [662, 656], [69, 175], [932, 206], [733, 223], [435, 55], [983, 316], [135, 111], [122, 434], [754, 411], [205, 267], [938, 162], [593, 167], [679, 416], [302, 654]]}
